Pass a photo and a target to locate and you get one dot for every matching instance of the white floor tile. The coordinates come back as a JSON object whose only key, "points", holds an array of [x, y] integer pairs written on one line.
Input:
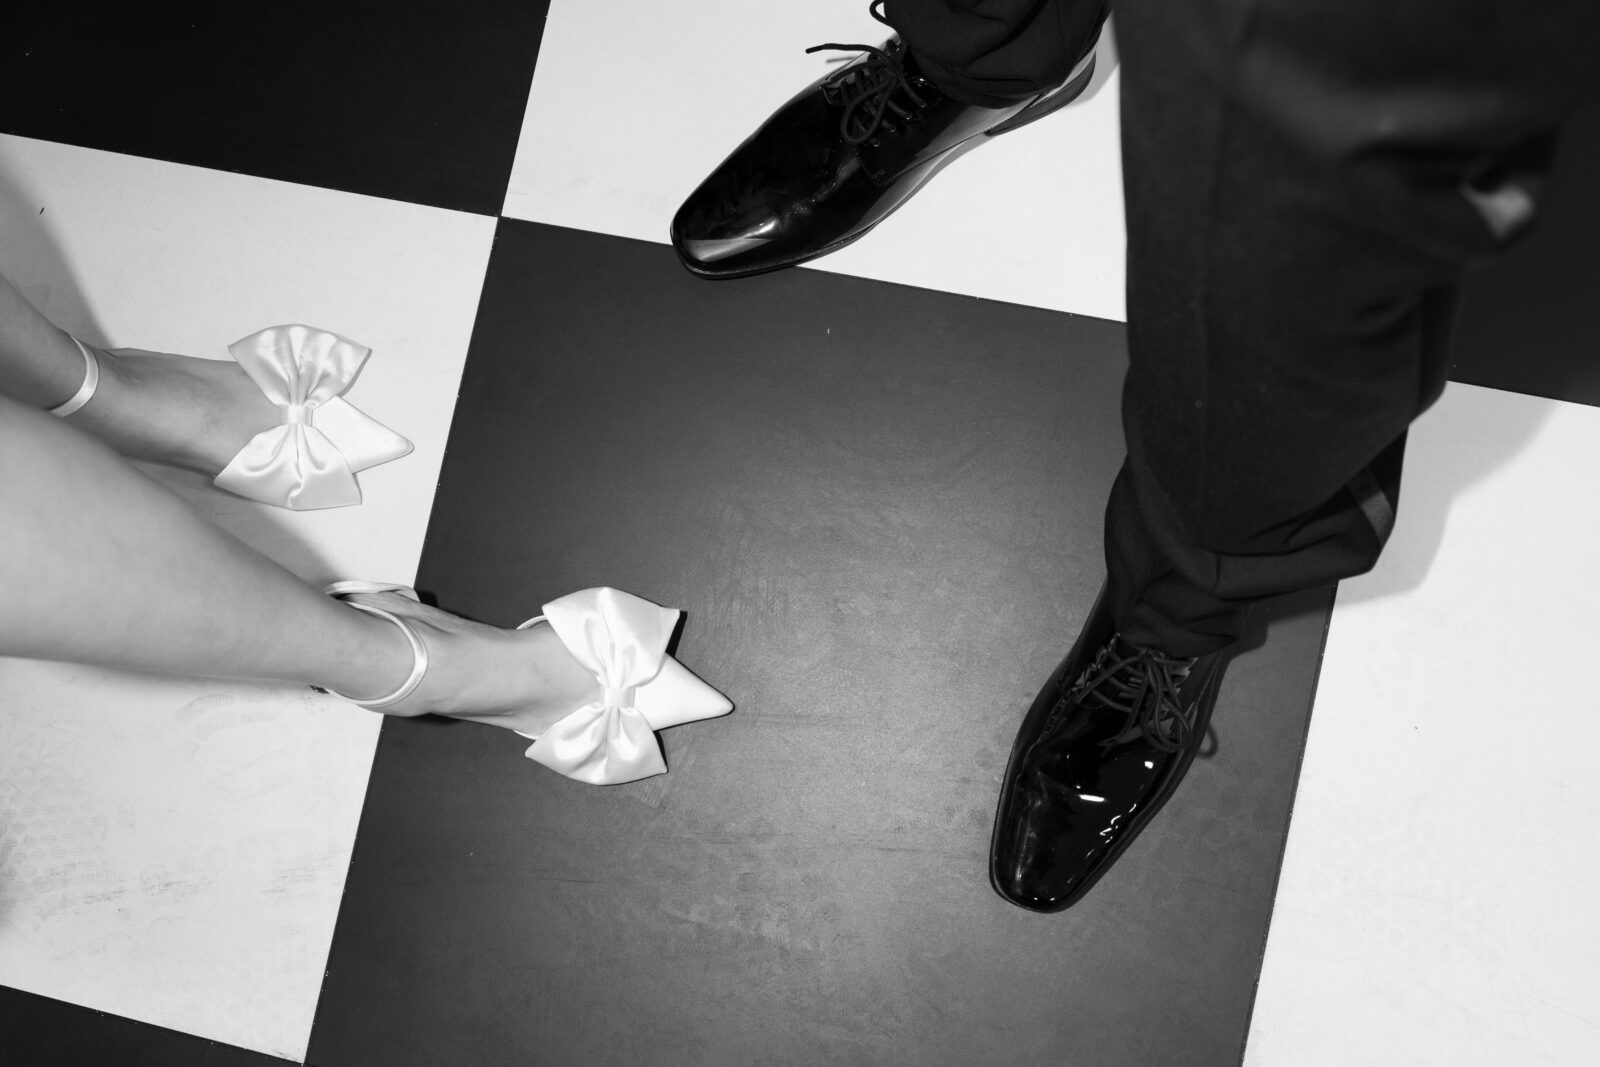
{"points": [[175, 851], [1034, 217], [1437, 896]]}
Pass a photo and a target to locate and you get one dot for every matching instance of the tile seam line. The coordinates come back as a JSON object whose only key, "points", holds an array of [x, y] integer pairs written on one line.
{"points": [[820, 269], [485, 213], [143, 1024], [1283, 847]]}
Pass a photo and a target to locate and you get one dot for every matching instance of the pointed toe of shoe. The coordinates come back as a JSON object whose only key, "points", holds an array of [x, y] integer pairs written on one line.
{"points": [[717, 236], [1039, 860], [1029, 897], [724, 257], [791, 192], [1017, 887]]}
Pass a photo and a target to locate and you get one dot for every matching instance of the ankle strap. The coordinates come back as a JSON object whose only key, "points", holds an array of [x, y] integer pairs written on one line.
{"points": [[91, 382], [419, 651]]}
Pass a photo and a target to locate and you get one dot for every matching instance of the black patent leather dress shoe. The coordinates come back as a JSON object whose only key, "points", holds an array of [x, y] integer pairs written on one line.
{"points": [[837, 159], [1106, 742]]}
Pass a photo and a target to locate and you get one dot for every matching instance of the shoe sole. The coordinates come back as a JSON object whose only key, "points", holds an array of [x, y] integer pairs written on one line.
{"points": [[1066, 94], [1069, 91], [1135, 828]]}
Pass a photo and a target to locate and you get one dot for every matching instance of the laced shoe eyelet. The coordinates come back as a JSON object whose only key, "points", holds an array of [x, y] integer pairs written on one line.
{"points": [[868, 84], [1144, 686]]}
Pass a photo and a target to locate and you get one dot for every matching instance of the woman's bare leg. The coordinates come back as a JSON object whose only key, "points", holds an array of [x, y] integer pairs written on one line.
{"points": [[102, 565], [186, 412]]}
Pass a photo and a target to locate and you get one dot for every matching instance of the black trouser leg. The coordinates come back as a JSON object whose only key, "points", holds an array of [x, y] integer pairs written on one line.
{"points": [[1306, 181], [994, 52]]}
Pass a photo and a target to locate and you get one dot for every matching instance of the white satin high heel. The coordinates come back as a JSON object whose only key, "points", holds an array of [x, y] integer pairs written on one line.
{"points": [[622, 640], [619, 638], [311, 458]]}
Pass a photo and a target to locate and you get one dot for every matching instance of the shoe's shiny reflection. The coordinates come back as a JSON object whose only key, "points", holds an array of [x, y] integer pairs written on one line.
{"points": [[713, 249], [1088, 770]]}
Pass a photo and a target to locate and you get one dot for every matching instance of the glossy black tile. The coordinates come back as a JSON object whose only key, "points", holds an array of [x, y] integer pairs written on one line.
{"points": [[880, 507], [39, 1032], [418, 101]]}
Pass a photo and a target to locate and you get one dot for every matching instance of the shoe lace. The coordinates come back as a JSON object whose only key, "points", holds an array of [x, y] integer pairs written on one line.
{"points": [[866, 90], [1143, 685]]}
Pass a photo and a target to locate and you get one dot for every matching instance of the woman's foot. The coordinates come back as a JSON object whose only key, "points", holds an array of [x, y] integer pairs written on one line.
{"points": [[516, 679], [177, 410]]}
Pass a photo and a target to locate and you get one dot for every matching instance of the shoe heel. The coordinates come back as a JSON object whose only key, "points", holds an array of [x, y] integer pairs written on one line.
{"points": [[1057, 100]]}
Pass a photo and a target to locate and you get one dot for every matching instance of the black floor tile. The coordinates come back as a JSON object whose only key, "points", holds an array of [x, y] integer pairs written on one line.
{"points": [[40, 1032], [880, 507], [418, 101]]}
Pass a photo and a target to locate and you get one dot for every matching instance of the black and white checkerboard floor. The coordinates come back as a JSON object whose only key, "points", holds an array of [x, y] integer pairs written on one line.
{"points": [[876, 497]]}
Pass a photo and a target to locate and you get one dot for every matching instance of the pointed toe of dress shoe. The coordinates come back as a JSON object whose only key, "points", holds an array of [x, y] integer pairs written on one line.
{"points": [[727, 228], [706, 252], [1030, 881], [1023, 895], [718, 248], [1029, 896]]}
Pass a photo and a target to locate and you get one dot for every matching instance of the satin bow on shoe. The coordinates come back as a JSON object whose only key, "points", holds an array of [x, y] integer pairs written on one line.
{"points": [[622, 640], [310, 460]]}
